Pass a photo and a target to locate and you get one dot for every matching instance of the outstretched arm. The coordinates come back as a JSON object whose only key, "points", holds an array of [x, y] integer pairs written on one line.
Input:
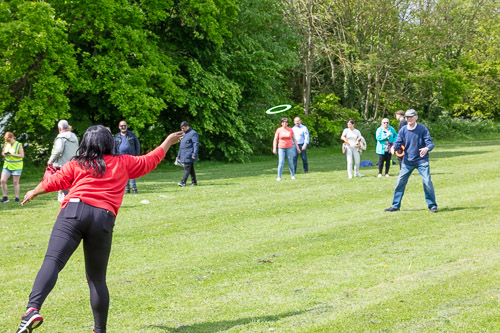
{"points": [[30, 195], [172, 139]]}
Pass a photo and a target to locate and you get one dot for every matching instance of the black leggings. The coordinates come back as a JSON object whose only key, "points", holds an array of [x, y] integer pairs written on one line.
{"points": [[384, 158], [79, 221]]}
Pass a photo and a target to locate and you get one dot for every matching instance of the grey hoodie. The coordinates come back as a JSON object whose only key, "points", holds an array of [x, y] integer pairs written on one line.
{"points": [[65, 147]]}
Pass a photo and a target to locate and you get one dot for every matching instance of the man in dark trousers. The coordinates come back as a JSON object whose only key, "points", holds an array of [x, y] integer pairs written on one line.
{"points": [[418, 143], [400, 116], [188, 153], [127, 143]]}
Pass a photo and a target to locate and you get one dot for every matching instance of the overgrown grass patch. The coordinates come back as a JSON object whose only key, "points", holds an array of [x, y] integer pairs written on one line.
{"points": [[244, 253]]}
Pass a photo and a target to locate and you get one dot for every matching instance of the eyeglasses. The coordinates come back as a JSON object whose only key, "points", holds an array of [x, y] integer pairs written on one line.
{"points": [[385, 122]]}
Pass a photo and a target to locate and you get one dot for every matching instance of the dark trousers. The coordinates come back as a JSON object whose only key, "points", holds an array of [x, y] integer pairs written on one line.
{"points": [[400, 161], [76, 222], [384, 158], [189, 170], [303, 156]]}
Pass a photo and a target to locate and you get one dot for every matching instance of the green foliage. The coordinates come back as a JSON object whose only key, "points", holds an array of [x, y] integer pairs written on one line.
{"points": [[452, 128], [37, 66], [327, 119], [221, 63]]}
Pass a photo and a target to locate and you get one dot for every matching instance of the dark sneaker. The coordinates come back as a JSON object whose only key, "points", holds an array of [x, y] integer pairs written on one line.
{"points": [[17, 200], [434, 210], [5, 200], [193, 184], [182, 184], [391, 209], [30, 320], [135, 191], [127, 191]]}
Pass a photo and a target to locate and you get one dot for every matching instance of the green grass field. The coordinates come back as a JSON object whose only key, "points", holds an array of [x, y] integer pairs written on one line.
{"points": [[244, 253]]}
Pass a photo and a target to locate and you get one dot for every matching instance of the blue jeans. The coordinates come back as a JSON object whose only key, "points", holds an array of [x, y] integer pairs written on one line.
{"points": [[289, 153], [303, 156], [133, 183], [404, 174]]}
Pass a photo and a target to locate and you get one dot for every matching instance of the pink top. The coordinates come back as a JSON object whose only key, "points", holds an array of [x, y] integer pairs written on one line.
{"points": [[284, 136], [105, 192]]}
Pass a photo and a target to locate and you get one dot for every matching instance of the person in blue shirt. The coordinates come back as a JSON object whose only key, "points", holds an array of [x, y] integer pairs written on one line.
{"points": [[127, 143], [301, 134], [417, 143]]}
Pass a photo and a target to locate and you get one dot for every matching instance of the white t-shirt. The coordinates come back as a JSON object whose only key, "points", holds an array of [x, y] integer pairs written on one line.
{"points": [[351, 135]]}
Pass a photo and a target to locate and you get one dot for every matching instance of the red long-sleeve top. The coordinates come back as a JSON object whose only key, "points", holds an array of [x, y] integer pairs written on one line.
{"points": [[105, 192]]}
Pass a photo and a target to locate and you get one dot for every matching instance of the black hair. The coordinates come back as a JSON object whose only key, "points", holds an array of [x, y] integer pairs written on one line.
{"points": [[96, 142], [184, 124], [350, 121]]}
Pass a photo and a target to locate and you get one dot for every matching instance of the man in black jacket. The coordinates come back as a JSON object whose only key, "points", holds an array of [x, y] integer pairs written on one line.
{"points": [[188, 153], [127, 143]]}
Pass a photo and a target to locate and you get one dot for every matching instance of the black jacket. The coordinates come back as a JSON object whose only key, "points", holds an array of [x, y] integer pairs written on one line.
{"points": [[134, 147]]}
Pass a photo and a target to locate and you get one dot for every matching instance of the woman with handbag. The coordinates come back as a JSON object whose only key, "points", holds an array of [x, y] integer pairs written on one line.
{"points": [[386, 136], [351, 138]]}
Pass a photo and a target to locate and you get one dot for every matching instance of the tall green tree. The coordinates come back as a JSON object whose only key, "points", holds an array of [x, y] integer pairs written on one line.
{"points": [[37, 66]]}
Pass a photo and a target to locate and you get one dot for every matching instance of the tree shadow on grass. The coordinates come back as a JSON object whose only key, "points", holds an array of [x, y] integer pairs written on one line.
{"points": [[220, 326], [449, 154], [454, 209], [446, 209]]}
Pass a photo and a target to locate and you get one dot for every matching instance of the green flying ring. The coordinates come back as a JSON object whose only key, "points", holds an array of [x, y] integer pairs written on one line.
{"points": [[281, 108]]}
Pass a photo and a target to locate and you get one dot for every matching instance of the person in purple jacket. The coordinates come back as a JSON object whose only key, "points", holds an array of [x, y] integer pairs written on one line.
{"points": [[417, 143]]}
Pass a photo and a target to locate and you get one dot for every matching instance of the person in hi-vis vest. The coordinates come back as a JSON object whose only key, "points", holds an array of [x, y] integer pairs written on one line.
{"points": [[13, 154]]}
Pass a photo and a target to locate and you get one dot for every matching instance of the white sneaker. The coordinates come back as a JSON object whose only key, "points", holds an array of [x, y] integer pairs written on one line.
{"points": [[387, 175], [293, 177], [349, 177], [359, 175], [379, 175], [278, 179]]}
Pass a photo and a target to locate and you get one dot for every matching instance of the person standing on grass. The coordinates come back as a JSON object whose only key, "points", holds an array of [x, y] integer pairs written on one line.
{"points": [[95, 180], [126, 142], [352, 139], [13, 154], [418, 143], [65, 147], [301, 134], [284, 144], [188, 153], [385, 135], [400, 116]]}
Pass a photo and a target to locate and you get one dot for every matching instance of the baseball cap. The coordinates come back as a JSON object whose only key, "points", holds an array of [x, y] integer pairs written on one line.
{"points": [[410, 113]]}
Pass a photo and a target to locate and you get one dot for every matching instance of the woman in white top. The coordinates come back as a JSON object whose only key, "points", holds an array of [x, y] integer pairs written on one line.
{"points": [[351, 138]]}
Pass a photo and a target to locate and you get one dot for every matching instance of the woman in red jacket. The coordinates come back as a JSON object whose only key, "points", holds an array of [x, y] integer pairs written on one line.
{"points": [[96, 179]]}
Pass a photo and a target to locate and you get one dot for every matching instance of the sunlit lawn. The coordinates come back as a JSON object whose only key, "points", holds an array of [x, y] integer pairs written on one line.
{"points": [[244, 253]]}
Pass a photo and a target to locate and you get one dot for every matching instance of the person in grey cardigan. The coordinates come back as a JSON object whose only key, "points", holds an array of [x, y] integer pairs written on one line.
{"points": [[65, 147], [188, 153]]}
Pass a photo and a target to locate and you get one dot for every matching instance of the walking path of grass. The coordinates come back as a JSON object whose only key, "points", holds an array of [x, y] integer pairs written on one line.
{"points": [[244, 253]]}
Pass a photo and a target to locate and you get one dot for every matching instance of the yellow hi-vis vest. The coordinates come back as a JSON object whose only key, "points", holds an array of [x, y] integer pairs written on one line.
{"points": [[10, 162]]}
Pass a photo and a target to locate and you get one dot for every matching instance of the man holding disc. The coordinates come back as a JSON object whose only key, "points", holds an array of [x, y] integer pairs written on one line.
{"points": [[417, 141]]}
